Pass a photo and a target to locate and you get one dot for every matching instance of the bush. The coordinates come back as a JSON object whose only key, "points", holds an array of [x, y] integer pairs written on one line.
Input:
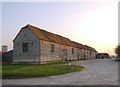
{"points": [[118, 59]]}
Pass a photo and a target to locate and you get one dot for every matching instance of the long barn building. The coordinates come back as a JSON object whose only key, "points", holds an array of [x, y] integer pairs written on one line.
{"points": [[37, 46]]}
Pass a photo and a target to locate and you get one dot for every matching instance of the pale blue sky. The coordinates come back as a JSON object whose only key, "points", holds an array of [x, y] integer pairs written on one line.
{"points": [[79, 21]]}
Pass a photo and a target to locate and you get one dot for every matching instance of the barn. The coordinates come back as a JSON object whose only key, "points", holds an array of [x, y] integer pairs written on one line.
{"points": [[36, 46]]}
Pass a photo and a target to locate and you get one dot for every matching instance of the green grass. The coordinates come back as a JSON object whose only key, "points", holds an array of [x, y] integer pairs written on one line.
{"points": [[27, 71]]}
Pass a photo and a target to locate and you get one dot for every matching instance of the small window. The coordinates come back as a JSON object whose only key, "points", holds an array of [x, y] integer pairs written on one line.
{"points": [[90, 52], [25, 47], [32, 43], [52, 47], [72, 50]]}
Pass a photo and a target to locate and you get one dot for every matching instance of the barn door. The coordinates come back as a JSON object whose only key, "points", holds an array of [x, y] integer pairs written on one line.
{"points": [[64, 52]]}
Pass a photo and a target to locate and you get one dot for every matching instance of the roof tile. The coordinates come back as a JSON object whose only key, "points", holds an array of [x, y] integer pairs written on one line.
{"points": [[51, 37]]}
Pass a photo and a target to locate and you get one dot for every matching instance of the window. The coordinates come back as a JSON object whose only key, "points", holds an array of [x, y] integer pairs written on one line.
{"points": [[25, 47], [52, 47], [90, 52], [72, 50], [32, 43]]}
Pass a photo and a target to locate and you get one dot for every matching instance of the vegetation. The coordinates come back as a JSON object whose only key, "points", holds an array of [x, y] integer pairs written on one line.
{"points": [[117, 51], [10, 71]]}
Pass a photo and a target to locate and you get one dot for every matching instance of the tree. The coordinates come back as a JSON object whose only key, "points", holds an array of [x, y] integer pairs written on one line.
{"points": [[117, 51]]}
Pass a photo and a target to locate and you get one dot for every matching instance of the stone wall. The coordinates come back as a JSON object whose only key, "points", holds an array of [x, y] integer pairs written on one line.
{"points": [[46, 54], [33, 54], [62, 52]]}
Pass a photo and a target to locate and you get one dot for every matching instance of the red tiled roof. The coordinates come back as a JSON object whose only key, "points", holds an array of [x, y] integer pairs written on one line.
{"points": [[77, 45], [51, 37], [48, 36], [90, 48]]}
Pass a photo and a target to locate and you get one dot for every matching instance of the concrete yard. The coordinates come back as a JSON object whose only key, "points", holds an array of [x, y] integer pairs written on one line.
{"points": [[96, 72]]}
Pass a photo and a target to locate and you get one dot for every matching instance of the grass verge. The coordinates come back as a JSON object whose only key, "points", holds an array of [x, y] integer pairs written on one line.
{"points": [[17, 71]]}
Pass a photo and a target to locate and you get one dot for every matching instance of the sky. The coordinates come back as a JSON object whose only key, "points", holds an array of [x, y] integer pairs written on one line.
{"points": [[94, 23]]}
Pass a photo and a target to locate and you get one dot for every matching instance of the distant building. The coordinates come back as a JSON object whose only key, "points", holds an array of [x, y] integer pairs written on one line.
{"points": [[4, 48], [35, 45], [7, 57], [102, 56]]}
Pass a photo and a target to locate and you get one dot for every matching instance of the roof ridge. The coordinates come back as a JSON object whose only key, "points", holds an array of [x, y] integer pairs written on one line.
{"points": [[29, 25], [52, 37]]}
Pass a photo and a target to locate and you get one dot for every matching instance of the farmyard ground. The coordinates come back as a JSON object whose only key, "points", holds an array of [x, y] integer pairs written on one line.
{"points": [[96, 72]]}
